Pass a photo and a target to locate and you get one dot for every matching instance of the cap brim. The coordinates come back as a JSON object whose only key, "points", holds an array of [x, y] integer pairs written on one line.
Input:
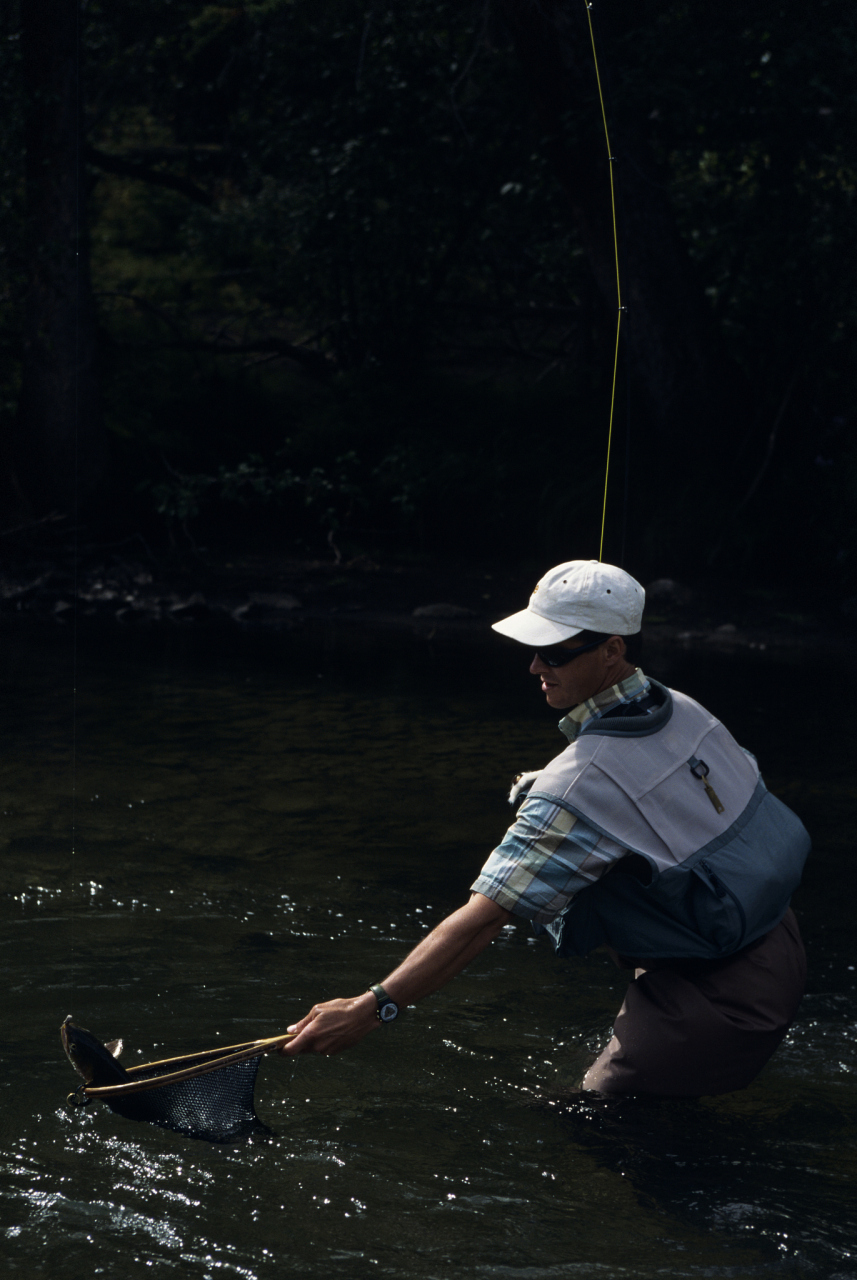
{"points": [[531, 628]]}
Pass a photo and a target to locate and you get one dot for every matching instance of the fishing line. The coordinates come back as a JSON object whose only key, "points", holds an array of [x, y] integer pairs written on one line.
{"points": [[78, 107], [627, 485], [619, 306]]}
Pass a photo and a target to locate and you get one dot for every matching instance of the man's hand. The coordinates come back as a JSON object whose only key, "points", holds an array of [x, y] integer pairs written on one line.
{"points": [[523, 782], [451, 945], [334, 1026]]}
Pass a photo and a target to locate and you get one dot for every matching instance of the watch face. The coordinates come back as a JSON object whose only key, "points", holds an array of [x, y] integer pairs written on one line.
{"points": [[388, 1011]]}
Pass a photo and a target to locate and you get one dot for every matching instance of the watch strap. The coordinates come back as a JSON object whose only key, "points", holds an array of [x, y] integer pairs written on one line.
{"points": [[387, 1008]]}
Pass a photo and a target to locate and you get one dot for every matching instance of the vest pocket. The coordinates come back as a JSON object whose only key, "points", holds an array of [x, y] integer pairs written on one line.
{"points": [[718, 914]]}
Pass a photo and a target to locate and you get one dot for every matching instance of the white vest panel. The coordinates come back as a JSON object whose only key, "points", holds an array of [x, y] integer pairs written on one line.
{"points": [[723, 865], [640, 790]]}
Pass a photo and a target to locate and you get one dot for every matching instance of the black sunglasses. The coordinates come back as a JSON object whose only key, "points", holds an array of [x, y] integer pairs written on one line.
{"points": [[556, 656]]}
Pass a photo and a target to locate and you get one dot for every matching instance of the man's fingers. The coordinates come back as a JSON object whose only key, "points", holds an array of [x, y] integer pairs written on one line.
{"points": [[310, 1040], [307, 1038], [303, 1022], [295, 1030], [293, 1047], [331, 1027]]}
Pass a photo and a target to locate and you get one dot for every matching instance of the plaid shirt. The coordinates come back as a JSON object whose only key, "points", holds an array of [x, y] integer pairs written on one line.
{"points": [[548, 855]]}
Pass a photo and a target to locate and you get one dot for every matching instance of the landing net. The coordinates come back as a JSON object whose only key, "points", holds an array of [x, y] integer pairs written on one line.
{"points": [[207, 1095]]}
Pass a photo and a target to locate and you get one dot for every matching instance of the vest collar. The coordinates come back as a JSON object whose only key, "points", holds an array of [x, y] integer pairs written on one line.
{"points": [[629, 690], [636, 726]]}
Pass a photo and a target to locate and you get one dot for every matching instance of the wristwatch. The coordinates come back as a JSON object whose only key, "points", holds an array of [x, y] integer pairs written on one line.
{"points": [[387, 1009]]}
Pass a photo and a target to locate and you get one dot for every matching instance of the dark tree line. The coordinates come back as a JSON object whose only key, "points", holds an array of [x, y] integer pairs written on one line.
{"points": [[353, 268]]}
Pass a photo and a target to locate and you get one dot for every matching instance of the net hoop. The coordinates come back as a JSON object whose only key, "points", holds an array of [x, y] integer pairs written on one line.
{"points": [[186, 1067]]}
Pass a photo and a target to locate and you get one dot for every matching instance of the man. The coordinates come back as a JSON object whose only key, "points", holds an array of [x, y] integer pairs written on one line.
{"points": [[652, 835]]}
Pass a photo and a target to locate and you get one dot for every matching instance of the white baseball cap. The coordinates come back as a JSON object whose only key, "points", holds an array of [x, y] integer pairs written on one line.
{"points": [[580, 595]]}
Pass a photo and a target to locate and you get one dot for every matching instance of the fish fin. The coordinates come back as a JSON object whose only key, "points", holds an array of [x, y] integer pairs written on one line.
{"points": [[114, 1047]]}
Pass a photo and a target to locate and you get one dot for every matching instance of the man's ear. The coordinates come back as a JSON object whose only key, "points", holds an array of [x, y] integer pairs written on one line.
{"points": [[615, 648]]}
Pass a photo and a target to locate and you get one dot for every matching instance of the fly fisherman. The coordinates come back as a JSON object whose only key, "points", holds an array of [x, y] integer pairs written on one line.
{"points": [[651, 834]]}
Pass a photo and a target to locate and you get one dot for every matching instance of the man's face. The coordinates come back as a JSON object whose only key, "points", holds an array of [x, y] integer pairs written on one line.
{"points": [[567, 686]]}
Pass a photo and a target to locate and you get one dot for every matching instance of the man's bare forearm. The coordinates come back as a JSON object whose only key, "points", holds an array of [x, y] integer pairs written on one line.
{"points": [[449, 948]]}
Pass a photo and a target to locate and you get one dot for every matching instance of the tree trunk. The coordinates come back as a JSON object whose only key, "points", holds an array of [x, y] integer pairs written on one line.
{"points": [[689, 387], [58, 446]]}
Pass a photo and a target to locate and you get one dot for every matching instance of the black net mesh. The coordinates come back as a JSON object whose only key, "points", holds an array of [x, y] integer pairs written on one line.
{"points": [[217, 1106], [206, 1095]]}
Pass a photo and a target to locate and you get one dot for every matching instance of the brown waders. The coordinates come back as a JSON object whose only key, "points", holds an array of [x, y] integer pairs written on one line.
{"points": [[693, 1027]]}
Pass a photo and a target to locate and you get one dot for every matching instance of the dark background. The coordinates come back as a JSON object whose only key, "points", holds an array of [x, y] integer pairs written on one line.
{"points": [[342, 276]]}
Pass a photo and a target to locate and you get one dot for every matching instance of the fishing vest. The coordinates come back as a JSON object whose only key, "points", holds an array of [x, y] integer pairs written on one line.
{"points": [[718, 856]]}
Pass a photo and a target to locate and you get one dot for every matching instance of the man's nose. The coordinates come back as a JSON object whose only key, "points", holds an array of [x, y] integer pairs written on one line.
{"points": [[537, 667]]}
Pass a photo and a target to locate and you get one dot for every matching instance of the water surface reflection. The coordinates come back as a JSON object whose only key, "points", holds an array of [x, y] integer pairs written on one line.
{"points": [[261, 825]]}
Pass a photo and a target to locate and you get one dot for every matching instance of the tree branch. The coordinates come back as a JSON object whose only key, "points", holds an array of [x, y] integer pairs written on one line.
{"points": [[313, 362], [33, 524], [144, 173], [772, 440]]}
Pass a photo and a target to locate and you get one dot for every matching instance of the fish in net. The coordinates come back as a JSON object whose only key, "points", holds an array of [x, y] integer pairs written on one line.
{"points": [[207, 1095]]}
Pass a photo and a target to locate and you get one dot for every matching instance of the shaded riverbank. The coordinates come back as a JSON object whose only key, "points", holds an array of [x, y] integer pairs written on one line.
{"points": [[130, 587]]}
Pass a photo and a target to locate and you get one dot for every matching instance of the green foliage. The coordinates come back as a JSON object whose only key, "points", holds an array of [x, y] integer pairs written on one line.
{"points": [[435, 464], [372, 185], [755, 124], [11, 208], [252, 482]]}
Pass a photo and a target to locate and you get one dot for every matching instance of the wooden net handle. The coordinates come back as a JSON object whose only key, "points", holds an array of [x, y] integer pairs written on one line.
{"points": [[226, 1058]]}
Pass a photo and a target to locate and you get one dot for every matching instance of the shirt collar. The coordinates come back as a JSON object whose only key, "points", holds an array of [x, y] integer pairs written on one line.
{"points": [[628, 690]]}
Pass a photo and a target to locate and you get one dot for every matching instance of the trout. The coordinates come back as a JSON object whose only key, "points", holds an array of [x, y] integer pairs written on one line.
{"points": [[96, 1063]]}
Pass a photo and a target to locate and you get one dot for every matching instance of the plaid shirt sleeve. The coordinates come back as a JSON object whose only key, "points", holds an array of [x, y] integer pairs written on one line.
{"points": [[546, 857]]}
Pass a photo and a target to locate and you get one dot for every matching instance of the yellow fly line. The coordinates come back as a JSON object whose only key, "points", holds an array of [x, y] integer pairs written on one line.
{"points": [[619, 307]]}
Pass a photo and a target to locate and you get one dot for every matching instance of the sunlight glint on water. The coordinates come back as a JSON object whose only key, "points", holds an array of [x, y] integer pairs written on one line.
{"points": [[266, 825]]}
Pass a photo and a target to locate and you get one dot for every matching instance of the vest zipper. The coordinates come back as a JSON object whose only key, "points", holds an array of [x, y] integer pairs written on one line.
{"points": [[700, 770]]}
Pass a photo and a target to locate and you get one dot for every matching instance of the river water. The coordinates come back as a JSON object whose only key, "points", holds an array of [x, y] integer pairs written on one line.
{"points": [[216, 832]]}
